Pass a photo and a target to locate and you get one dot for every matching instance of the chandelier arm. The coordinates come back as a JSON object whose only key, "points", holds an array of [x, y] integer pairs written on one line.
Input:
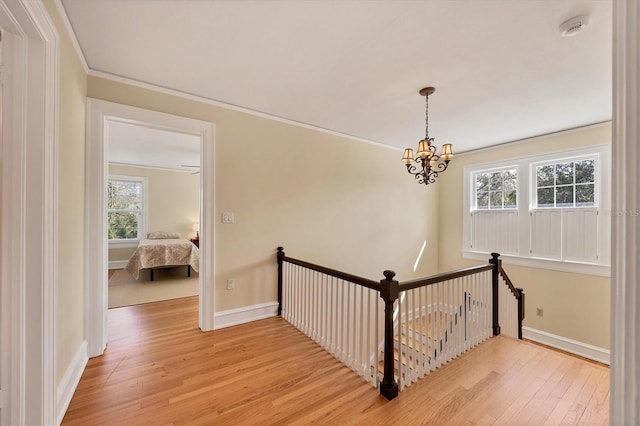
{"points": [[421, 175], [441, 166], [411, 169]]}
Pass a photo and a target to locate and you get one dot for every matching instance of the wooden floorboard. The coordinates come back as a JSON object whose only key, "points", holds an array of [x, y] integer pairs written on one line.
{"points": [[160, 369]]}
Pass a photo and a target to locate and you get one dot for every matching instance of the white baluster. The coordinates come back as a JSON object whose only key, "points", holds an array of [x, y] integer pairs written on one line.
{"points": [[405, 353], [285, 291], [465, 309], [450, 304], [450, 349], [399, 346], [361, 329], [439, 304], [349, 325], [316, 306], [307, 302], [459, 308], [323, 310], [432, 326], [489, 311], [412, 337], [334, 317], [422, 317], [295, 287], [376, 340]]}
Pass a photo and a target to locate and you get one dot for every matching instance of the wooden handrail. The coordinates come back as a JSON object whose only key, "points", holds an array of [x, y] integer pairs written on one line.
{"points": [[434, 279], [507, 280], [518, 293], [365, 282]]}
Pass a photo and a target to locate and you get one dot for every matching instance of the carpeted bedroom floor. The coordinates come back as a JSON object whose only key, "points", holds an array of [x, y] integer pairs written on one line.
{"points": [[169, 283]]}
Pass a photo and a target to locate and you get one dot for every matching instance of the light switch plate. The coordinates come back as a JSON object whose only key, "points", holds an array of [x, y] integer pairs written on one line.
{"points": [[227, 217]]}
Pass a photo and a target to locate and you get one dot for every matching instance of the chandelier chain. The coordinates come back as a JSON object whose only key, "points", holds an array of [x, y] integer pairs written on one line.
{"points": [[426, 119]]}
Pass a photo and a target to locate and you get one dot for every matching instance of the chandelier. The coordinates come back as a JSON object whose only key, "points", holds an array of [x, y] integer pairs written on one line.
{"points": [[428, 163]]}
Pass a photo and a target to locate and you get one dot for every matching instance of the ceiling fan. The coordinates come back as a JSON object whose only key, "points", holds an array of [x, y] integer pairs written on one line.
{"points": [[189, 165]]}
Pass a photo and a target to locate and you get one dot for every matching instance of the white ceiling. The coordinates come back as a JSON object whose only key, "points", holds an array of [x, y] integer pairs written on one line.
{"points": [[137, 145], [501, 69]]}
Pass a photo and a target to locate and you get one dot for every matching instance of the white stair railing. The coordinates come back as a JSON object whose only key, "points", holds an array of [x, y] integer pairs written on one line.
{"points": [[339, 314], [439, 322]]}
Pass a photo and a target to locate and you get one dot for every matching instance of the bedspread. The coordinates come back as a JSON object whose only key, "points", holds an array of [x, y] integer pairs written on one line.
{"points": [[159, 253]]}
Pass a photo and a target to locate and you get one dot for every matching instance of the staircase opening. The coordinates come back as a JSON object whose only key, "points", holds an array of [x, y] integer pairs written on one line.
{"points": [[395, 333]]}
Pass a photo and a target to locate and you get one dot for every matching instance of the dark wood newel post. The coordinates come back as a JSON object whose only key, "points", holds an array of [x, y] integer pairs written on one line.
{"points": [[497, 264], [280, 256], [389, 291], [520, 311]]}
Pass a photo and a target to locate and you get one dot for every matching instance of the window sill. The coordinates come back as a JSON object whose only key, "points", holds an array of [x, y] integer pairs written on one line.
{"points": [[123, 243], [553, 265]]}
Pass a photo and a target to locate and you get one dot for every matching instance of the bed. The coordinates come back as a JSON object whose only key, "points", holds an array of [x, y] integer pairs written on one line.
{"points": [[154, 253]]}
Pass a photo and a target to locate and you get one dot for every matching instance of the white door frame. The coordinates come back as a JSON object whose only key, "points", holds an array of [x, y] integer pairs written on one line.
{"points": [[29, 222], [625, 231], [99, 114]]}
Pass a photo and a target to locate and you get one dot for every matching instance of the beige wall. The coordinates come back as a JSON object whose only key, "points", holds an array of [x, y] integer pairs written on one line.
{"points": [[327, 199], [174, 202], [71, 136], [575, 305]]}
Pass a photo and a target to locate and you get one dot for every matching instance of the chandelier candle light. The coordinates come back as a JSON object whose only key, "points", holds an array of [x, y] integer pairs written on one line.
{"points": [[429, 163]]}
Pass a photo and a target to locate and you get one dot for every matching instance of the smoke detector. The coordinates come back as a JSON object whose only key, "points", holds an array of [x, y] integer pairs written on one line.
{"points": [[573, 26]]}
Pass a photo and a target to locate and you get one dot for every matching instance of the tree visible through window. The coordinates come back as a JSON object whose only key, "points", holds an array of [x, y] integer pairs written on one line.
{"points": [[124, 204], [566, 184], [496, 189]]}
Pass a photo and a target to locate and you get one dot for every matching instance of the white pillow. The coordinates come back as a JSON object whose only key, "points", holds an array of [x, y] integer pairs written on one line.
{"points": [[163, 235]]}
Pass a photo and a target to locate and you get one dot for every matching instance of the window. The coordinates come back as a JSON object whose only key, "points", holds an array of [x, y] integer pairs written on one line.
{"points": [[566, 184], [494, 218], [125, 208], [496, 189], [548, 211]]}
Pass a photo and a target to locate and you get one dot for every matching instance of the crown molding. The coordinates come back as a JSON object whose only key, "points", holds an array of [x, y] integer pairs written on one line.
{"points": [[537, 137], [72, 34], [216, 103]]}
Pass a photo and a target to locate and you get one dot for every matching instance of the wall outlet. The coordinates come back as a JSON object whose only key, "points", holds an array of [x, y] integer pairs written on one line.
{"points": [[540, 312], [228, 217], [231, 284]]}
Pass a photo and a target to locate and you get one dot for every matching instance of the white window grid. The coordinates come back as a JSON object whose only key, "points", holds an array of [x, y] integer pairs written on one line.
{"points": [[474, 195], [533, 196], [139, 212]]}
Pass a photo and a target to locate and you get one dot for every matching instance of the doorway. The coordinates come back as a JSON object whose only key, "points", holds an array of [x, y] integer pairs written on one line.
{"points": [[103, 120], [153, 214]]}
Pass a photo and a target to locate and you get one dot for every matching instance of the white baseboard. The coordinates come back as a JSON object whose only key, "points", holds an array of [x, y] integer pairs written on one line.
{"points": [[70, 380], [117, 264], [568, 345], [245, 314]]}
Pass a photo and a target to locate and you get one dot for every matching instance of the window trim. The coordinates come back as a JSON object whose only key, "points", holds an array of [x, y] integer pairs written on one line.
{"points": [[525, 200], [142, 226]]}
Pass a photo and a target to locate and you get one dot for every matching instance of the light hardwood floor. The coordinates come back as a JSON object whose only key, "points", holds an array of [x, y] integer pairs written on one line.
{"points": [[160, 369]]}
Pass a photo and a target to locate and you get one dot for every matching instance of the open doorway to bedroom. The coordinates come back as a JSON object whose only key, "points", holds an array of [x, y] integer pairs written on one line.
{"points": [[105, 120], [153, 214]]}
